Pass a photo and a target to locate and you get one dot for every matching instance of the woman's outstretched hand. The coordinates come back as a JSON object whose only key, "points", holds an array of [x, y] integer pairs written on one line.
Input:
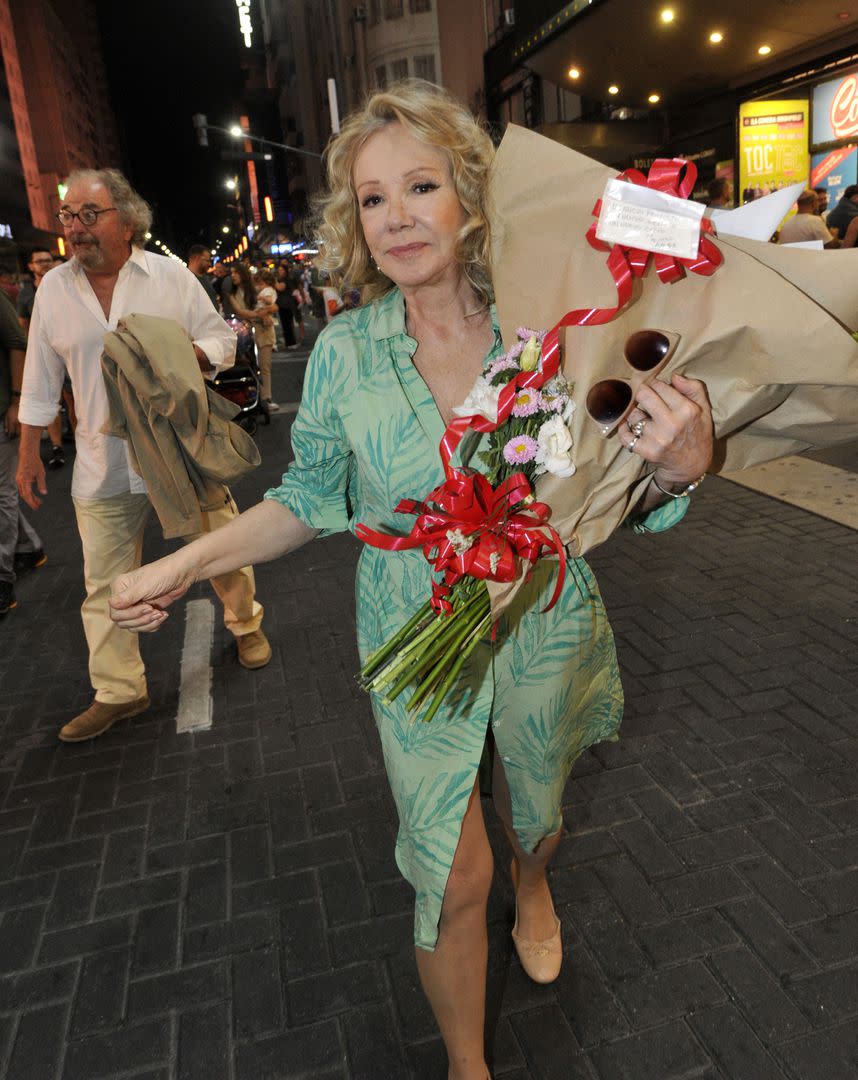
{"points": [[139, 599]]}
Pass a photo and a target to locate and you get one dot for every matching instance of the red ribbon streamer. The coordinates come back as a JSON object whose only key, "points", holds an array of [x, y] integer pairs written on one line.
{"points": [[466, 501]]}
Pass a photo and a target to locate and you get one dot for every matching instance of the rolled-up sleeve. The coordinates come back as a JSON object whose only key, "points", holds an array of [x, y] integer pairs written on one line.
{"points": [[662, 518], [44, 372], [207, 329], [315, 485]]}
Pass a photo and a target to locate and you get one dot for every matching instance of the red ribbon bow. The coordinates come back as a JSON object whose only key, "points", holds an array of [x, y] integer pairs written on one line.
{"points": [[468, 528], [665, 175]]}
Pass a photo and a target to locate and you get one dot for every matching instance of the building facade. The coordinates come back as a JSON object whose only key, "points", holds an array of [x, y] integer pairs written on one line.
{"points": [[363, 46], [55, 109]]}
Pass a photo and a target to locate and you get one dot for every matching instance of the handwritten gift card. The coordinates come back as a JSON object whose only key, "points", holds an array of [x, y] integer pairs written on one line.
{"points": [[640, 217]]}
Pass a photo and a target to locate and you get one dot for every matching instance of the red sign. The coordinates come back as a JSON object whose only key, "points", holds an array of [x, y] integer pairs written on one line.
{"points": [[844, 109]]}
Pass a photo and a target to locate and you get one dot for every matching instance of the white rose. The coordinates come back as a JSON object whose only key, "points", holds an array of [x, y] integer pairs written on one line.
{"points": [[482, 400], [555, 448], [568, 409]]}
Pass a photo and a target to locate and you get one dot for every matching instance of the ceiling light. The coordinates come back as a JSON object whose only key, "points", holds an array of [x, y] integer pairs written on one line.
{"points": [[764, 50], [574, 73], [667, 15], [613, 89], [654, 99], [716, 37]]}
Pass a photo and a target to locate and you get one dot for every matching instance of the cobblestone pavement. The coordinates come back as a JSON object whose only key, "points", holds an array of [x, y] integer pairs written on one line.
{"points": [[225, 905]]}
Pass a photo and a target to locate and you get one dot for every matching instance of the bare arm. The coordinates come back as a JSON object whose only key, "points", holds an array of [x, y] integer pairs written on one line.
{"points": [[260, 534]]}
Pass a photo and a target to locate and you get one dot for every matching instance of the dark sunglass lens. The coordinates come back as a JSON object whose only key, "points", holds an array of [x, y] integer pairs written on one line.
{"points": [[646, 349], [608, 400]]}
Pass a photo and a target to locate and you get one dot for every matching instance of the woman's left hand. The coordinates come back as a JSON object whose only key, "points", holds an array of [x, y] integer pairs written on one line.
{"points": [[676, 430]]}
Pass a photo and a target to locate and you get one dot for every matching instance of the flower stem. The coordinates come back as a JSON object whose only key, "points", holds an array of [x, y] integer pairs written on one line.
{"points": [[376, 659], [451, 651], [481, 628]]}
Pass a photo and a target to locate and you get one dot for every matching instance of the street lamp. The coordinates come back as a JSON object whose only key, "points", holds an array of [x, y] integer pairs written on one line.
{"points": [[231, 183], [236, 131], [225, 229]]}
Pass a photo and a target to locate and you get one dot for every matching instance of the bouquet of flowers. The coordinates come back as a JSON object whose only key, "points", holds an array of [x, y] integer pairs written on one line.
{"points": [[478, 526]]}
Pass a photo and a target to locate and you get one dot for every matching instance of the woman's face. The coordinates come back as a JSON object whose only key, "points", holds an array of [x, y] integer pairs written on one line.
{"points": [[409, 209], [236, 277]]}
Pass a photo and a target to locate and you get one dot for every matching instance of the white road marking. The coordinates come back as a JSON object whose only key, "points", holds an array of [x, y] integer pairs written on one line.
{"points": [[195, 688]]}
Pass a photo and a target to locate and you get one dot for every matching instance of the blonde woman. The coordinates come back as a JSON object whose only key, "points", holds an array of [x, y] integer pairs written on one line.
{"points": [[405, 220]]}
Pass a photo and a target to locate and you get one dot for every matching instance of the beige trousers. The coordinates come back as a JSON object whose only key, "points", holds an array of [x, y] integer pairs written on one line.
{"points": [[111, 532]]}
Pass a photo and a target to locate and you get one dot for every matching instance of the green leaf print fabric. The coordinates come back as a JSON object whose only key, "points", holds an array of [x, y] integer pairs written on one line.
{"points": [[366, 435]]}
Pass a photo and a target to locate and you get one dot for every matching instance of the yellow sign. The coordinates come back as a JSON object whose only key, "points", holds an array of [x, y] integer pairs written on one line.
{"points": [[773, 149]]}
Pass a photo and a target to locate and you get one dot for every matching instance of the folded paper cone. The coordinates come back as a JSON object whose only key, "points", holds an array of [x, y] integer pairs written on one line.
{"points": [[769, 333]]}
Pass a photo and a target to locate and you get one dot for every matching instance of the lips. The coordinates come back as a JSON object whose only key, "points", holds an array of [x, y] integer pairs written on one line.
{"points": [[405, 249]]}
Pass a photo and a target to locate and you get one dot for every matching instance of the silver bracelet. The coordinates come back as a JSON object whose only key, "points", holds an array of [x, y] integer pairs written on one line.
{"points": [[686, 491]]}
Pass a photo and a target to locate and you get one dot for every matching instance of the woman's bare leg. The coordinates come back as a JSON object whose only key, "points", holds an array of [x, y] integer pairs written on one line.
{"points": [[454, 975], [535, 908]]}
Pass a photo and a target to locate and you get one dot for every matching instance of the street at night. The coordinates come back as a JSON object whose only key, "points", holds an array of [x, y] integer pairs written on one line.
{"points": [[316, 761]]}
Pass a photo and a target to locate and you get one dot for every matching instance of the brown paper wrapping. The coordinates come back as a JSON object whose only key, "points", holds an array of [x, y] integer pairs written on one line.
{"points": [[769, 334]]}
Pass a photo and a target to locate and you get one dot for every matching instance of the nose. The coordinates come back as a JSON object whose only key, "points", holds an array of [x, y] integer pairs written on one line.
{"points": [[398, 215]]}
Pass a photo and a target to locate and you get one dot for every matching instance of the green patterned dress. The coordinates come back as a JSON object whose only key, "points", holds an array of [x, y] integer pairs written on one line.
{"points": [[366, 435]]}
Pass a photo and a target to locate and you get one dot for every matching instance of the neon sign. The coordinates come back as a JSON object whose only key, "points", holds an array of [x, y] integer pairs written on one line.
{"points": [[843, 115], [244, 23]]}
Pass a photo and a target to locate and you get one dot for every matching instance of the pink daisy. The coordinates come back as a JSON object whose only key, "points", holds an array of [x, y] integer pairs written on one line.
{"points": [[526, 403], [520, 449]]}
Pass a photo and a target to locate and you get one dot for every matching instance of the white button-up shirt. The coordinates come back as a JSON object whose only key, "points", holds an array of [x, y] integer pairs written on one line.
{"points": [[67, 335]]}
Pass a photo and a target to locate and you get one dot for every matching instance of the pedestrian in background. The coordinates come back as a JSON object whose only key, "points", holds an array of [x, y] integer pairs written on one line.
{"points": [[263, 332], [39, 263], [20, 546]]}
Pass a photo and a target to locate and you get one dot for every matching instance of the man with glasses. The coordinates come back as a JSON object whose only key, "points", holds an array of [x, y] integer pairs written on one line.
{"points": [[40, 262], [111, 276]]}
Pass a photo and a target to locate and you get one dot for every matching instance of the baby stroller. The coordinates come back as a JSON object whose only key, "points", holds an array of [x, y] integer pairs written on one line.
{"points": [[240, 384]]}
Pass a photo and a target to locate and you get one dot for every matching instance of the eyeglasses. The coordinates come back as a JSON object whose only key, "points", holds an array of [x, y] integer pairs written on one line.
{"points": [[610, 401], [87, 216]]}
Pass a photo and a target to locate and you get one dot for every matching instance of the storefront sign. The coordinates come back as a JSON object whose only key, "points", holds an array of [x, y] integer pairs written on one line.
{"points": [[244, 23], [835, 109], [772, 147], [835, 171]]}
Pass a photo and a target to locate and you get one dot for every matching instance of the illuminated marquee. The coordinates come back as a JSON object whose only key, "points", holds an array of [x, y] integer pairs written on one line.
{"points": [[244, 23]]}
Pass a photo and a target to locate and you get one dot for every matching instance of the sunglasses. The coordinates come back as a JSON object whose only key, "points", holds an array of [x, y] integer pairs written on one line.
{"points": [[610, 401]]}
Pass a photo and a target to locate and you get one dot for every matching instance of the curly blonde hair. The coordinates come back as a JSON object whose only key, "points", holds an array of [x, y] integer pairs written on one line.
{"points": [[433, 116]]}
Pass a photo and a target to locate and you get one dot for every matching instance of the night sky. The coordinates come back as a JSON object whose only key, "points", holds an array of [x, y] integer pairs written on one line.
{"points": [[166, 60]]}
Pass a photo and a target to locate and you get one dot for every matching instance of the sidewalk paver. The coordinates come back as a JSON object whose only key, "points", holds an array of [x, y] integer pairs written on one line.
{"points": [[225, 904]]}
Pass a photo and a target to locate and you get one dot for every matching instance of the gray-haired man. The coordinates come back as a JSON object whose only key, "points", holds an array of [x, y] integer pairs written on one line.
{"points": [[110, 276]]}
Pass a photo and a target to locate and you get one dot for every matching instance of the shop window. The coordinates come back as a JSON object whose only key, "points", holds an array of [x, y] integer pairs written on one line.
{"points": [[416, 6], [399, 69], [393, 9], [424, 67]]}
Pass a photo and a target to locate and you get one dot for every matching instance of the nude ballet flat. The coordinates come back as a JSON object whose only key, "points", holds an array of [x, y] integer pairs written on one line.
{"points": [[541, 960]]}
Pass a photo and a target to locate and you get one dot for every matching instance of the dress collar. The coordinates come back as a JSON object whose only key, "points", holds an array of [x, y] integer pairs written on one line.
{"points": [[388, 317]]}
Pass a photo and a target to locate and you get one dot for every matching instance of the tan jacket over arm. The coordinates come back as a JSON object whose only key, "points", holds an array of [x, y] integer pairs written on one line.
{"points": [[179, 432]]}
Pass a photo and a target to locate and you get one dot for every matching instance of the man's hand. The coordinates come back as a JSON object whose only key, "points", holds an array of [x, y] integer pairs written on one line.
{"points": [[10, 420], [203, 360], [30, 475]]}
